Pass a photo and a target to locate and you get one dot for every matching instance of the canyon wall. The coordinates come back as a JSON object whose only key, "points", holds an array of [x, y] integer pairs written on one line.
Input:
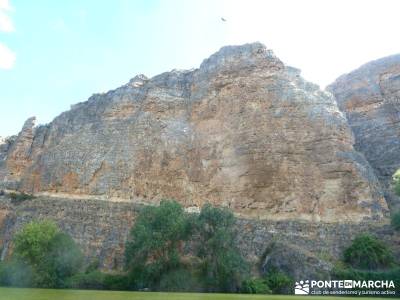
{"points": [[242, 131], [370, 97], [301, 248]]}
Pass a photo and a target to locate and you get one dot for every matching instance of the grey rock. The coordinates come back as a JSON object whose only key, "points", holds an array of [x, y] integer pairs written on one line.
{"points": [[370, 97]]}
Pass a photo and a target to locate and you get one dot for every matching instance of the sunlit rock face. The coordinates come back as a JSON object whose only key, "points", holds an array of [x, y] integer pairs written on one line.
{"points": [[370, 97], [243, 131]]}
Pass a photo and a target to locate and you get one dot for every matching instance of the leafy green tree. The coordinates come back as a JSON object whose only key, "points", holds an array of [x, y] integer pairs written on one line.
{"points": [[222, 264], [50, 254], [368, 253], [32, 242], [156, 242]]}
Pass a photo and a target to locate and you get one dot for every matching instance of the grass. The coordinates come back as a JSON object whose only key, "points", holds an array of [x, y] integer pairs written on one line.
{"points": [[48, 294]]}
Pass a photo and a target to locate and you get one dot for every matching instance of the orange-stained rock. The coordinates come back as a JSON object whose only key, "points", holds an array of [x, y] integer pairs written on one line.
{"points": [[242, 131]]}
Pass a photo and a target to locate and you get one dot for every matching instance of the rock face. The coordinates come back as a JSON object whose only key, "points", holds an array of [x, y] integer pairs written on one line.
{"points": [[370, 97], [99, 227], [243, 131], [300, 248]]}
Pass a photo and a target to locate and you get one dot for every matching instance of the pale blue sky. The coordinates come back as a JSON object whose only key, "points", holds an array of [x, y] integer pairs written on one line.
{"points": [[56, 53]]}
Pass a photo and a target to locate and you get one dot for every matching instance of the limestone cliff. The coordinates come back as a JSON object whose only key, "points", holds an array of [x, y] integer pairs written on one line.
{"points": [[370, 97], [302, 249], [243, 130]]}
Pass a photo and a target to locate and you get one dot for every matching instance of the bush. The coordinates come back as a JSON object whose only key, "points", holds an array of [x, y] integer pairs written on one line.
{"points": [[98, 280], [255, 286], [17, 198], [178, 281], [343, 272], [368, 253], [117, 282], [279, 282], [395, 220], [93, 280]]}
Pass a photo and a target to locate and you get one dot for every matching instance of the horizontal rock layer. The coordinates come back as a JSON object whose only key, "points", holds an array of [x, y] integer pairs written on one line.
{"points": [[101, 229], [242, 131]]}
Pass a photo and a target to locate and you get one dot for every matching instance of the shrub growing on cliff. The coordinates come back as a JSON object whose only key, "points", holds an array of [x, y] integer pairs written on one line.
{"points": [[396, 220], [17, 198], [396, 182], [156, 242], [223, 267], [50, 254], [368, 253]]}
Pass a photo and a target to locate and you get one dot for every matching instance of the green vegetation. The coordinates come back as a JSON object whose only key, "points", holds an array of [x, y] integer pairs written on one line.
{"points": [[222, 267], [345, 272], [156, 245], [255, 286], [168, 250], [395, 220], [275, 282], [367, 258], [43, 257], [279, 282], [17, 198], [157, 253], [368, 253], [396, 182]]}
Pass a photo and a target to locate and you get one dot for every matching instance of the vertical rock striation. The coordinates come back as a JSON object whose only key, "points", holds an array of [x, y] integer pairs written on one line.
{"points": [[370, 97], [243, 131]]}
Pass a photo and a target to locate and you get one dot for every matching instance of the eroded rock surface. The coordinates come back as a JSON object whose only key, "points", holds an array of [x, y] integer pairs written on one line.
{"points": [[243, 131], [300, 248], [370, 97]]}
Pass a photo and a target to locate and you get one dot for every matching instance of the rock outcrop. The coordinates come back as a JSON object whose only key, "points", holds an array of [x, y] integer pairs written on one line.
{"points": [[300, 248], [370, 97], [243, 131]]}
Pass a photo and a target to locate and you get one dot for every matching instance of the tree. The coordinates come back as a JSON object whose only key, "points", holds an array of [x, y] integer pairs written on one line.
{"points": [[368, 253], [32, 242], [156, 242], [50, 254], [222, 264]]}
